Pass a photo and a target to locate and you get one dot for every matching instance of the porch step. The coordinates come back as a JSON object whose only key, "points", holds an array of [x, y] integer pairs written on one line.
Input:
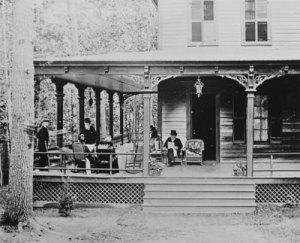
{"points": [[199, 195]]}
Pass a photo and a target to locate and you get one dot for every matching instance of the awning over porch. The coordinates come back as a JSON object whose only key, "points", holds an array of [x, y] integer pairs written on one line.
{"points": [[123, 72]]}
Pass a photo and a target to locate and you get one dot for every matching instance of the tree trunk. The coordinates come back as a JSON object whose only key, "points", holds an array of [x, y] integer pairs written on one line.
{"points": [[20, 175]]}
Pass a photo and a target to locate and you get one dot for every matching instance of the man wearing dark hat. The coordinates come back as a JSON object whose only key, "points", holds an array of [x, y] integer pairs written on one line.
{"points": [[173, 145], [88, 135], [43, 140]]}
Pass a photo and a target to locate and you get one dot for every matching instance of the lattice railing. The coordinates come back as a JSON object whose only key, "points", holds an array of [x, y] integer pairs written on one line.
{"points": [[91, 192], [277, 193]]}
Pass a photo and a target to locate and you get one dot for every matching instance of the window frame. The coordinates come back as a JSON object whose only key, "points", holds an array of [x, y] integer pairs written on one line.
{"points": [[260, 118], [256, 20], [191, 43]]}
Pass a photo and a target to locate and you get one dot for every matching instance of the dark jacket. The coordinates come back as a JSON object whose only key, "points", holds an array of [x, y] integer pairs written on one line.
{"points": [[177, 143], [43, 139], [90, 135]]}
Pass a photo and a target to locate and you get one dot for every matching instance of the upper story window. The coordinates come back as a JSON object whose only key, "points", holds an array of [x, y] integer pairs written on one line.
{"points": [[256, 22], [202, 30]]}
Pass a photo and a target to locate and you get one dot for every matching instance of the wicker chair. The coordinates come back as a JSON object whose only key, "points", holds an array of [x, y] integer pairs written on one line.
{"points": [[80, 158], [193, 151]]}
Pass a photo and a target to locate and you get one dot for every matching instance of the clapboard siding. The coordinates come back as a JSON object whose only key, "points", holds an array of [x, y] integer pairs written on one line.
{"points": [[173, 108], [284, 23]]}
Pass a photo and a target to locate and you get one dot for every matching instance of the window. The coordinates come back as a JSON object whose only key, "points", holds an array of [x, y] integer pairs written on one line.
{"points": [[267, 120], [256, 21], [275, 118], [239, 118], [202, 23], [261, 118]]}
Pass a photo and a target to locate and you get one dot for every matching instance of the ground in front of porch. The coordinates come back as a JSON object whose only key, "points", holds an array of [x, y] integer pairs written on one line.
{"points": [[130, 224]]}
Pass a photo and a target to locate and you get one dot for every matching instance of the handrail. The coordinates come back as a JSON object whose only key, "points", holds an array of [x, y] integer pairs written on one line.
{"points": [[271, 155], [278, 153], [63, 163]]}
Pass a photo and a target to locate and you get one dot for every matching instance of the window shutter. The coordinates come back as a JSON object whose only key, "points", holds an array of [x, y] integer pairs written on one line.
{"points": [[262, 9], [196, 10]]}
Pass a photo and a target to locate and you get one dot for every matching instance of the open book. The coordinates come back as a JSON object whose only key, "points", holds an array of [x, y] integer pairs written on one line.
{"points": [[171, 145]]}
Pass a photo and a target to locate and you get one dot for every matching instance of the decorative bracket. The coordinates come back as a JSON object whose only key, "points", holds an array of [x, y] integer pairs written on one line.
{"points": [[251, 81], [106, 69], [241, 79], [155, 80], [181, 69], [66, 69]]}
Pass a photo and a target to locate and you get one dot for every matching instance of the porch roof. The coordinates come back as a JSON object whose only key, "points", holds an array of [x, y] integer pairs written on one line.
{"points": [[207, 54], [122, 72]]}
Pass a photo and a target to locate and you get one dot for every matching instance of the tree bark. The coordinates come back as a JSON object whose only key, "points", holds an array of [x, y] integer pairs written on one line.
{"points": [[19, 207]]}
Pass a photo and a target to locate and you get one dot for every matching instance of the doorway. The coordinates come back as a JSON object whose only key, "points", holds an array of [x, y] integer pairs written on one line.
{"points": [[204, 123]]}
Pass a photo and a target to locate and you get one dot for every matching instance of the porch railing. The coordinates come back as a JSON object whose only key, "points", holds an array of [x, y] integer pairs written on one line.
{"points": [[62, 159], [272, 161]]}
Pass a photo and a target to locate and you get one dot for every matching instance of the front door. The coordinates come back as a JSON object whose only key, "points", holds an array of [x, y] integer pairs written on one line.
{"points": [[204, 123]]}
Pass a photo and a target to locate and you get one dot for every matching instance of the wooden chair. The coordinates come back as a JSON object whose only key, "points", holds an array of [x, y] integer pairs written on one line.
{"points": [[134, 162], [193, 151], [80, 158]]}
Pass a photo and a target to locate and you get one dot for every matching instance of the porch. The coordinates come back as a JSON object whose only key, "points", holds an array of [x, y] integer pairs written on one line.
{"points": [[115, 74]]}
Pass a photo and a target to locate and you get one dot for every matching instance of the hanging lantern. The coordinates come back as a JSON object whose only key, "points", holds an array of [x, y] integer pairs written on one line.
{"points": [[199, 86], [90, 100]]}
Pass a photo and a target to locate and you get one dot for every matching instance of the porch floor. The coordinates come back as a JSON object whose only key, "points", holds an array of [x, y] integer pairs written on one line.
{"points": [[208, 169], [226, 170]]}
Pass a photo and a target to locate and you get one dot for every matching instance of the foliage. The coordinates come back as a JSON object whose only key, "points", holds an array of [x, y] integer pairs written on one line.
{"points": [[66, 200], [103, 27]]}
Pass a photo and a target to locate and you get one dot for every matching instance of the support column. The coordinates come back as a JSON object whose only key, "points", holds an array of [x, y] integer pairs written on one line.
{"points": [[121, 101], [81, 90], [250, 114], [60, 110], [98, 113], [147, 113], [111, 114]]}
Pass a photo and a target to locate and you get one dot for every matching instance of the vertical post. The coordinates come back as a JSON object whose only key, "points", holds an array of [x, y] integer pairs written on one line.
{"points": [[121, 101], [250, 113], [146, 99], [81, 106], [111, 114], [60, 110], [98, 113], [271, 164]]}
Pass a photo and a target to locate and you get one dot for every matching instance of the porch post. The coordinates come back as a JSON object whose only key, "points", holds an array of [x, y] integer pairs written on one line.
{"points": [[60, 110], [81, 106], [98, 114], [250, 114], [111, 113], [146, 99], [121, 102]]}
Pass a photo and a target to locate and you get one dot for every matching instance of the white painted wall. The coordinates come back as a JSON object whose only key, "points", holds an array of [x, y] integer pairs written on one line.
{"points": [[284, 16]]}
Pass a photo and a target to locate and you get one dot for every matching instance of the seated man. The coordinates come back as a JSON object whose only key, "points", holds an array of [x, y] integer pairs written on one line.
{"points": [[88, 135], [174, 147]]}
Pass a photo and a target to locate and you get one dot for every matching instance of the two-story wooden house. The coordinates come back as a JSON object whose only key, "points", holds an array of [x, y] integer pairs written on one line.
{"points": [[243, 58], [262, 36]]}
